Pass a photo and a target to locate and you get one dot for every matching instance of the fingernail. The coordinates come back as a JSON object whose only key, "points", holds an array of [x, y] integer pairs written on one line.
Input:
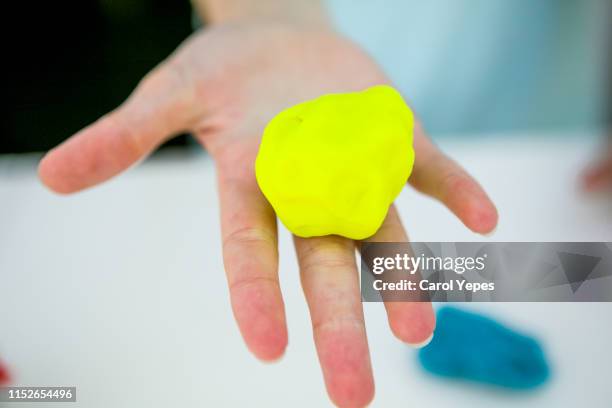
{"points": [[423, 343], [490, 233]]}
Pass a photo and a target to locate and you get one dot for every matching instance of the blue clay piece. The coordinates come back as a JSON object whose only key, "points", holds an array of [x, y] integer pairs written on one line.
{"points": [[473, 347]]}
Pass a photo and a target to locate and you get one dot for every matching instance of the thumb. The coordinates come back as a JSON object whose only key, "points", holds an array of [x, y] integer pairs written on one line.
{"points": [[157, 109]]}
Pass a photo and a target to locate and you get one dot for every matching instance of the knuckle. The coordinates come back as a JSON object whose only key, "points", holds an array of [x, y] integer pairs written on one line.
{"points": [[328, 254], [328, 263], [252, 281], [336, 324], [169, 74], [454, 181], [129, 139], [249, 235]]}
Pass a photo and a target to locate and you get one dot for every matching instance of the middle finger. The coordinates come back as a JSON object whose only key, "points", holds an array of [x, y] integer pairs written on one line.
{"points": [[330, 281]]}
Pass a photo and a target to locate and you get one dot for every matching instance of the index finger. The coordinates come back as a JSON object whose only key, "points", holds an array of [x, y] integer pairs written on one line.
{"points": [[250, 255]]}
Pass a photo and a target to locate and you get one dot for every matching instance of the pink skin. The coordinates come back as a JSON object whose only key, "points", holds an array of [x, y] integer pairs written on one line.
{"points": [[223, 85], [4, 375], [599, 176]]}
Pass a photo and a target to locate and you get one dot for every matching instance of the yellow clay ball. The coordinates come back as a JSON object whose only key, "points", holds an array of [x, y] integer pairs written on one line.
{"points": [[334, 165]]}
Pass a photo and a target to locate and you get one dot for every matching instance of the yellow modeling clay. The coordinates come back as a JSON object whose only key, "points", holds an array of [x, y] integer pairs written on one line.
{"points": [[334, 165]]}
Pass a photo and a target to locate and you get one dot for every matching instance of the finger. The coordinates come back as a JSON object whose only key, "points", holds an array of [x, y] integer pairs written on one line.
{"points": [[599, 176], [438, 176], [250, 256], [330, 282], [156, 110], [411, 322], [4, 375]]}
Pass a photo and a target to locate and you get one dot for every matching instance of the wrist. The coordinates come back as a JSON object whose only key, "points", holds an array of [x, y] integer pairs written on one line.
{"points": [[302, 13]]}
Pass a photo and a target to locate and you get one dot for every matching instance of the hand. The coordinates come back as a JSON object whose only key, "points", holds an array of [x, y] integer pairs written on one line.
{"points": [[223, 85]]}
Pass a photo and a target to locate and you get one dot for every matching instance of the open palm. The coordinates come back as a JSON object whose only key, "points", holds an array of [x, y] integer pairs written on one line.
{"points": [[223, 85]]}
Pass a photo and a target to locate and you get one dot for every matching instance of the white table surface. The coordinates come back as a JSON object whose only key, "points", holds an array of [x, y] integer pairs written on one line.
{"points": [[120, 290]]}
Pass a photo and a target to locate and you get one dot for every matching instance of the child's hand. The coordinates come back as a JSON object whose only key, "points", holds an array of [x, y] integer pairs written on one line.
{"points": [[223, 85]]}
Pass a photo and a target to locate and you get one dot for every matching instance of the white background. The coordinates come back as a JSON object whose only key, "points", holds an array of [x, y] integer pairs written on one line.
{"points": [[120, 290]]}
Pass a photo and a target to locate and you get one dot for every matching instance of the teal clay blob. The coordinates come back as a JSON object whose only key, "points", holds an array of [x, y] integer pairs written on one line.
{"points": [[476, 348]]}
